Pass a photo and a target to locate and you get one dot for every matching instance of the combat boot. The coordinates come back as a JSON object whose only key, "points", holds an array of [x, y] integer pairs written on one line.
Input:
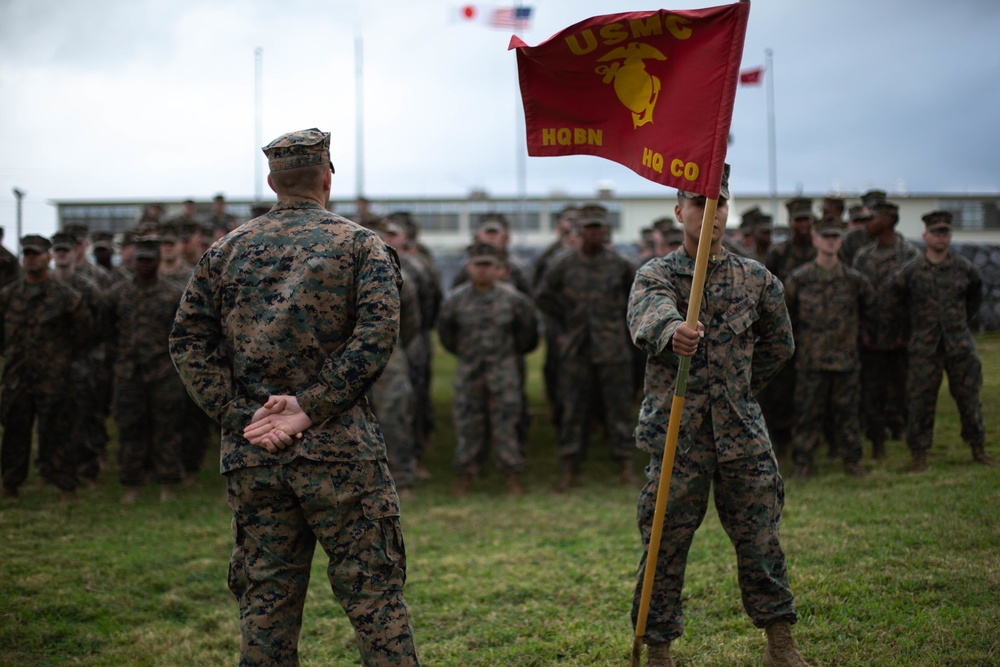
{"points": [[878, 450], [167, 493], [919, 463], [131, 496], [512, 483], [9, 493], [979, 455], [658, 655], [463, 487], [780, 647], [567, 479], [802, 471], [68, 497], [854, 469]]}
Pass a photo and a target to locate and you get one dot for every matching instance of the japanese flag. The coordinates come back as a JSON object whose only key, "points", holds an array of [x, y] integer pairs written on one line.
{"points": [[470, 13]]}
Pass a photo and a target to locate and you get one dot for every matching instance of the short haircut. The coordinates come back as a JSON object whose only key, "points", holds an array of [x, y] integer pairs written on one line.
{"points": [[302, 180]]}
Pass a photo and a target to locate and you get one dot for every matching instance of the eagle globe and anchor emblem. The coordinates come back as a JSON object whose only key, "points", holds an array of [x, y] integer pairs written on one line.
{"points": [[636, 88]]}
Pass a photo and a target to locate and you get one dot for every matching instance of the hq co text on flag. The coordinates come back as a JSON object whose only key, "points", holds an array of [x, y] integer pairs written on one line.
{"points": [[653, 91]]}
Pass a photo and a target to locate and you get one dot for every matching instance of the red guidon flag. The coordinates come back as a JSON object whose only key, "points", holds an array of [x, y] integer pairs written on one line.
{"points": [[652, 91], [751, 77]]}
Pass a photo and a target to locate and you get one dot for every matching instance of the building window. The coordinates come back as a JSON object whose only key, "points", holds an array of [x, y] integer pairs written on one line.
{"points": [[524, 217], [973, 214]]}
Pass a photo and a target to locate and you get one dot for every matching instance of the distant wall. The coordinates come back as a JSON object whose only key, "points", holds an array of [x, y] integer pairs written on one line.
{"points": [[987, 258]]}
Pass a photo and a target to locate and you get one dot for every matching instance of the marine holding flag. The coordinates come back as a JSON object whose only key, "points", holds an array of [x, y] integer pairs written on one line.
{"points": [[744, 337], [654, 91]]}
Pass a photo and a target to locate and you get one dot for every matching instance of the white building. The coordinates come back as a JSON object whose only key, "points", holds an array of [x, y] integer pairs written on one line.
{"points": [[448, 223]]}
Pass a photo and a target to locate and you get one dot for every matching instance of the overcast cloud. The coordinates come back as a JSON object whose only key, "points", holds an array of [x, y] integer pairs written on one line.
{"points": [[155, 99]]}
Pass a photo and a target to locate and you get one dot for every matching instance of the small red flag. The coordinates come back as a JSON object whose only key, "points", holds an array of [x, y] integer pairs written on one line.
{"points": [[652, 91], [751, 77]]}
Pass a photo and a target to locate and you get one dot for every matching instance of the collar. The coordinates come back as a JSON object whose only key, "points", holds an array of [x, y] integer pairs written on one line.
{"points": [[293, 203], [685, 264]]}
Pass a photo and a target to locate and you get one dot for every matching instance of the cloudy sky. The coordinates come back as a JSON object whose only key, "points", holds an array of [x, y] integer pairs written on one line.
{"points": [[154, 99]]}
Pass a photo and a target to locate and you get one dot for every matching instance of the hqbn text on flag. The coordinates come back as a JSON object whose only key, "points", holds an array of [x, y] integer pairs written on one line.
{"points": [[679, 168], [572, 136]]}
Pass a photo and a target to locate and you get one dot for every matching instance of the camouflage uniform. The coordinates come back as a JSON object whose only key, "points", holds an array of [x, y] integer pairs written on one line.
{"points": [[854, 241], [419, 348], [883, 365], [196, 427], [10, 269], [223, 221], [778, 399], [787, 256], [98, 274], [587, 297], [941, 300], [42, 325], [550, 370], [301, 301], [179, 275], [94, 405], [149, 395], [723, 439], [826, 307], [392, 396], [488, 331], [517, 275], [88, 378]]}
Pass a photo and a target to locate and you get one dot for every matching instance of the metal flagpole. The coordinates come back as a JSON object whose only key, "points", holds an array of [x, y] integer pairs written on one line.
{"points": [[258, 174], [18, 195], [771, 148], [522, 156], [359, 117]]}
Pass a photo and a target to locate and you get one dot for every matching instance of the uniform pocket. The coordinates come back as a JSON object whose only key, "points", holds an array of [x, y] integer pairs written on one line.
{"points": [[740, 316], [383, 553]]}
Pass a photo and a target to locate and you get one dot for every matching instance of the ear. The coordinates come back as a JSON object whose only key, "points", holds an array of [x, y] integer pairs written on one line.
{"points": [[328, 180], [270, 184]]}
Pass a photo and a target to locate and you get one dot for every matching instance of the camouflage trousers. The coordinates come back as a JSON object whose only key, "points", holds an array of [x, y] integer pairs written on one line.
{"points": [[57, 451], [550, 371], [777, 401], [486, 409], [392, 400], [823, 397], [149, 439], [965, 380], [883, 392], [749, 495], [582, 384], [418, 354], [91, 383], [279, 513], [196, 430]]}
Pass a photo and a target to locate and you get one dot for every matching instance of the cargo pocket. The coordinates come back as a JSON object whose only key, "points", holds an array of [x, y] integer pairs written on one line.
{"points": [[384, 553]]}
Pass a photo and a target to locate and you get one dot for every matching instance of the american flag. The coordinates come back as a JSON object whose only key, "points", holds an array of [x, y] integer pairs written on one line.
{"points": [[511, 17]]}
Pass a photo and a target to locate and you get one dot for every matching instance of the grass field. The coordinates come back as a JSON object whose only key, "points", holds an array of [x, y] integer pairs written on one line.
{"points": [[896, 569]]}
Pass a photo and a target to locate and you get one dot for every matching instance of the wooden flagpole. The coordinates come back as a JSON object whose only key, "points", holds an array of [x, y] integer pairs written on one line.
{"points": [[673, 428]]}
